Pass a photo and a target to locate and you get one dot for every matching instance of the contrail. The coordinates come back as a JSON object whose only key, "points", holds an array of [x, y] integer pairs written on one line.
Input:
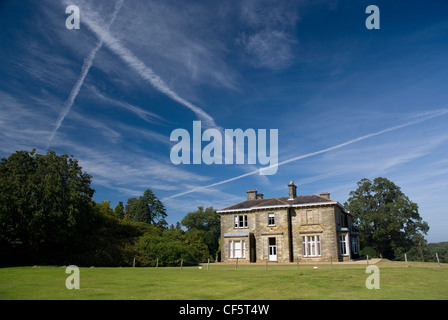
{"points": [[84, 70], [145, 72], [427, 116]]}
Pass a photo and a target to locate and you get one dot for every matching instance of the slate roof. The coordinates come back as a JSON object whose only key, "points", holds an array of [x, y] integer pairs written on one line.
{"points": [[281, 201]]}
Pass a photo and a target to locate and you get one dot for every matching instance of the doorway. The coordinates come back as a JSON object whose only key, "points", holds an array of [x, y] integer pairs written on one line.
{"points": [[272, 249]]}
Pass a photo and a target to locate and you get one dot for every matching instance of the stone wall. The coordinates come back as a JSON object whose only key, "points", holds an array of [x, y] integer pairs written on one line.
{"points": [[315, 221], [291, 225], [280, 231]]}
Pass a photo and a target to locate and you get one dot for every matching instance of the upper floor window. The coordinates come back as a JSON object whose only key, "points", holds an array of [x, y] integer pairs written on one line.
{"points": [[271, 219], [241, 221]]}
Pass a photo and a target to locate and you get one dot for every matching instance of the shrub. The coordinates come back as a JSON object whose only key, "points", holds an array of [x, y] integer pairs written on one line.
{"points": [[168, 249], [369, 251]]}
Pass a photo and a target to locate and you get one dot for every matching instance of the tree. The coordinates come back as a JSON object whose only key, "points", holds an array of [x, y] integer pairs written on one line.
{"points": [[45, 200], [148, 208], [104, 208], [119, 210], [129, 208], [385, 217], [207, 221]]}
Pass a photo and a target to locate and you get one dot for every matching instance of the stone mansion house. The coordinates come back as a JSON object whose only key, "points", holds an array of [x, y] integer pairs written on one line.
{"points": [[284, 229]]}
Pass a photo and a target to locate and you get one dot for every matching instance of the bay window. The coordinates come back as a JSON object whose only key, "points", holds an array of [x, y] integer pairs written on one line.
{"points": [[311, 246], [237, 249]]}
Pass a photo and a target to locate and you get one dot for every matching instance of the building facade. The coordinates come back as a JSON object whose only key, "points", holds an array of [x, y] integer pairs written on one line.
{"points": [[284, 229]]}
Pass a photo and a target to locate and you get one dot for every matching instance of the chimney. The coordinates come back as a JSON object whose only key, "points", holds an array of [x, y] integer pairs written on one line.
{"points": [[292, 190], [325, 195], [251, 194], [260, 196]]}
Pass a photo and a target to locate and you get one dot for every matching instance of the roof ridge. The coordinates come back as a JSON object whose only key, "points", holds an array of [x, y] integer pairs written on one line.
{"points": [[285, 202]]}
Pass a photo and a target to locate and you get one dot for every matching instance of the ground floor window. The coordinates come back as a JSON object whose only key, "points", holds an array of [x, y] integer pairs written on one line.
{"points": [[311, 246], [238, 249], [355, 245]]}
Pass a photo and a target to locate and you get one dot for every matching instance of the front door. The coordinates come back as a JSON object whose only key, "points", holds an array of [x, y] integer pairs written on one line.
{"points": [[272, 249]]}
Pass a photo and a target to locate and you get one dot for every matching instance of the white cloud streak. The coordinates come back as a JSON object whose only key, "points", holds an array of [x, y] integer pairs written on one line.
{"points": [[145, 72], [84, 71], [425, 117]]}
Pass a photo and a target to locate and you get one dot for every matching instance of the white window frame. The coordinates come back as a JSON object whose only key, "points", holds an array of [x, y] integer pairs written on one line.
{"points": [[240, 221], [241, 253], [272, 249], [343, 245], [311, 246], [271, 219]]}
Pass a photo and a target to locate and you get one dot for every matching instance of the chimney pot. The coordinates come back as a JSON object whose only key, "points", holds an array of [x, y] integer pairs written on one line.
{"points": [[292, 190], [260, 196], [251, 194], [325, 195]]}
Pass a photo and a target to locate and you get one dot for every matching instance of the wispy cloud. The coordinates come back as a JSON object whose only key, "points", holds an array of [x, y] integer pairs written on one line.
{"points": [[148, 116], [144, 71], [131, 171], [270, 38], [270, 49], [24, 122], [84, 71], [425, 117]]}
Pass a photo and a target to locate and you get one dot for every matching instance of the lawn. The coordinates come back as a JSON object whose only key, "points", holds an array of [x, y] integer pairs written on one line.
{"points": [[223, 282]]}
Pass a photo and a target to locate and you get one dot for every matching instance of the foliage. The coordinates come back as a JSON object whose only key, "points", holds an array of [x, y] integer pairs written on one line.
{"points": [[147, 208], [369, 251], [385, 217], [426, 252], [45, 203], [208, 223], [169, 247], [109, 242], [441, 248], [119, 210], [104, 208], [128, 209], [47, 216]]}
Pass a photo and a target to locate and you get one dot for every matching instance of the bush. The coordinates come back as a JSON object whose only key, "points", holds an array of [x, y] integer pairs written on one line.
{"points": [[369, 251], [169, 248]]}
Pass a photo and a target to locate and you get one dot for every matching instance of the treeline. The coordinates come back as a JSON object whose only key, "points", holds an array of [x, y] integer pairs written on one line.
{"points": [[421, 252], [48, 216]]}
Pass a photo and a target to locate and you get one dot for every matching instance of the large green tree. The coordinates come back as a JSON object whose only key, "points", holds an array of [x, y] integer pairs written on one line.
{"points": [[45, 201], [208, 222], [385, 217], [148, 208]]}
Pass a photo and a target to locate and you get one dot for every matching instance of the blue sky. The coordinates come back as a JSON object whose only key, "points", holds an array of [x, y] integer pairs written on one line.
{"points": [[348, 102]]}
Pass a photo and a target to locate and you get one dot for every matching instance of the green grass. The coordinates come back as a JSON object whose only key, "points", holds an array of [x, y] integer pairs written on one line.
{"points": [[419, 281]]}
